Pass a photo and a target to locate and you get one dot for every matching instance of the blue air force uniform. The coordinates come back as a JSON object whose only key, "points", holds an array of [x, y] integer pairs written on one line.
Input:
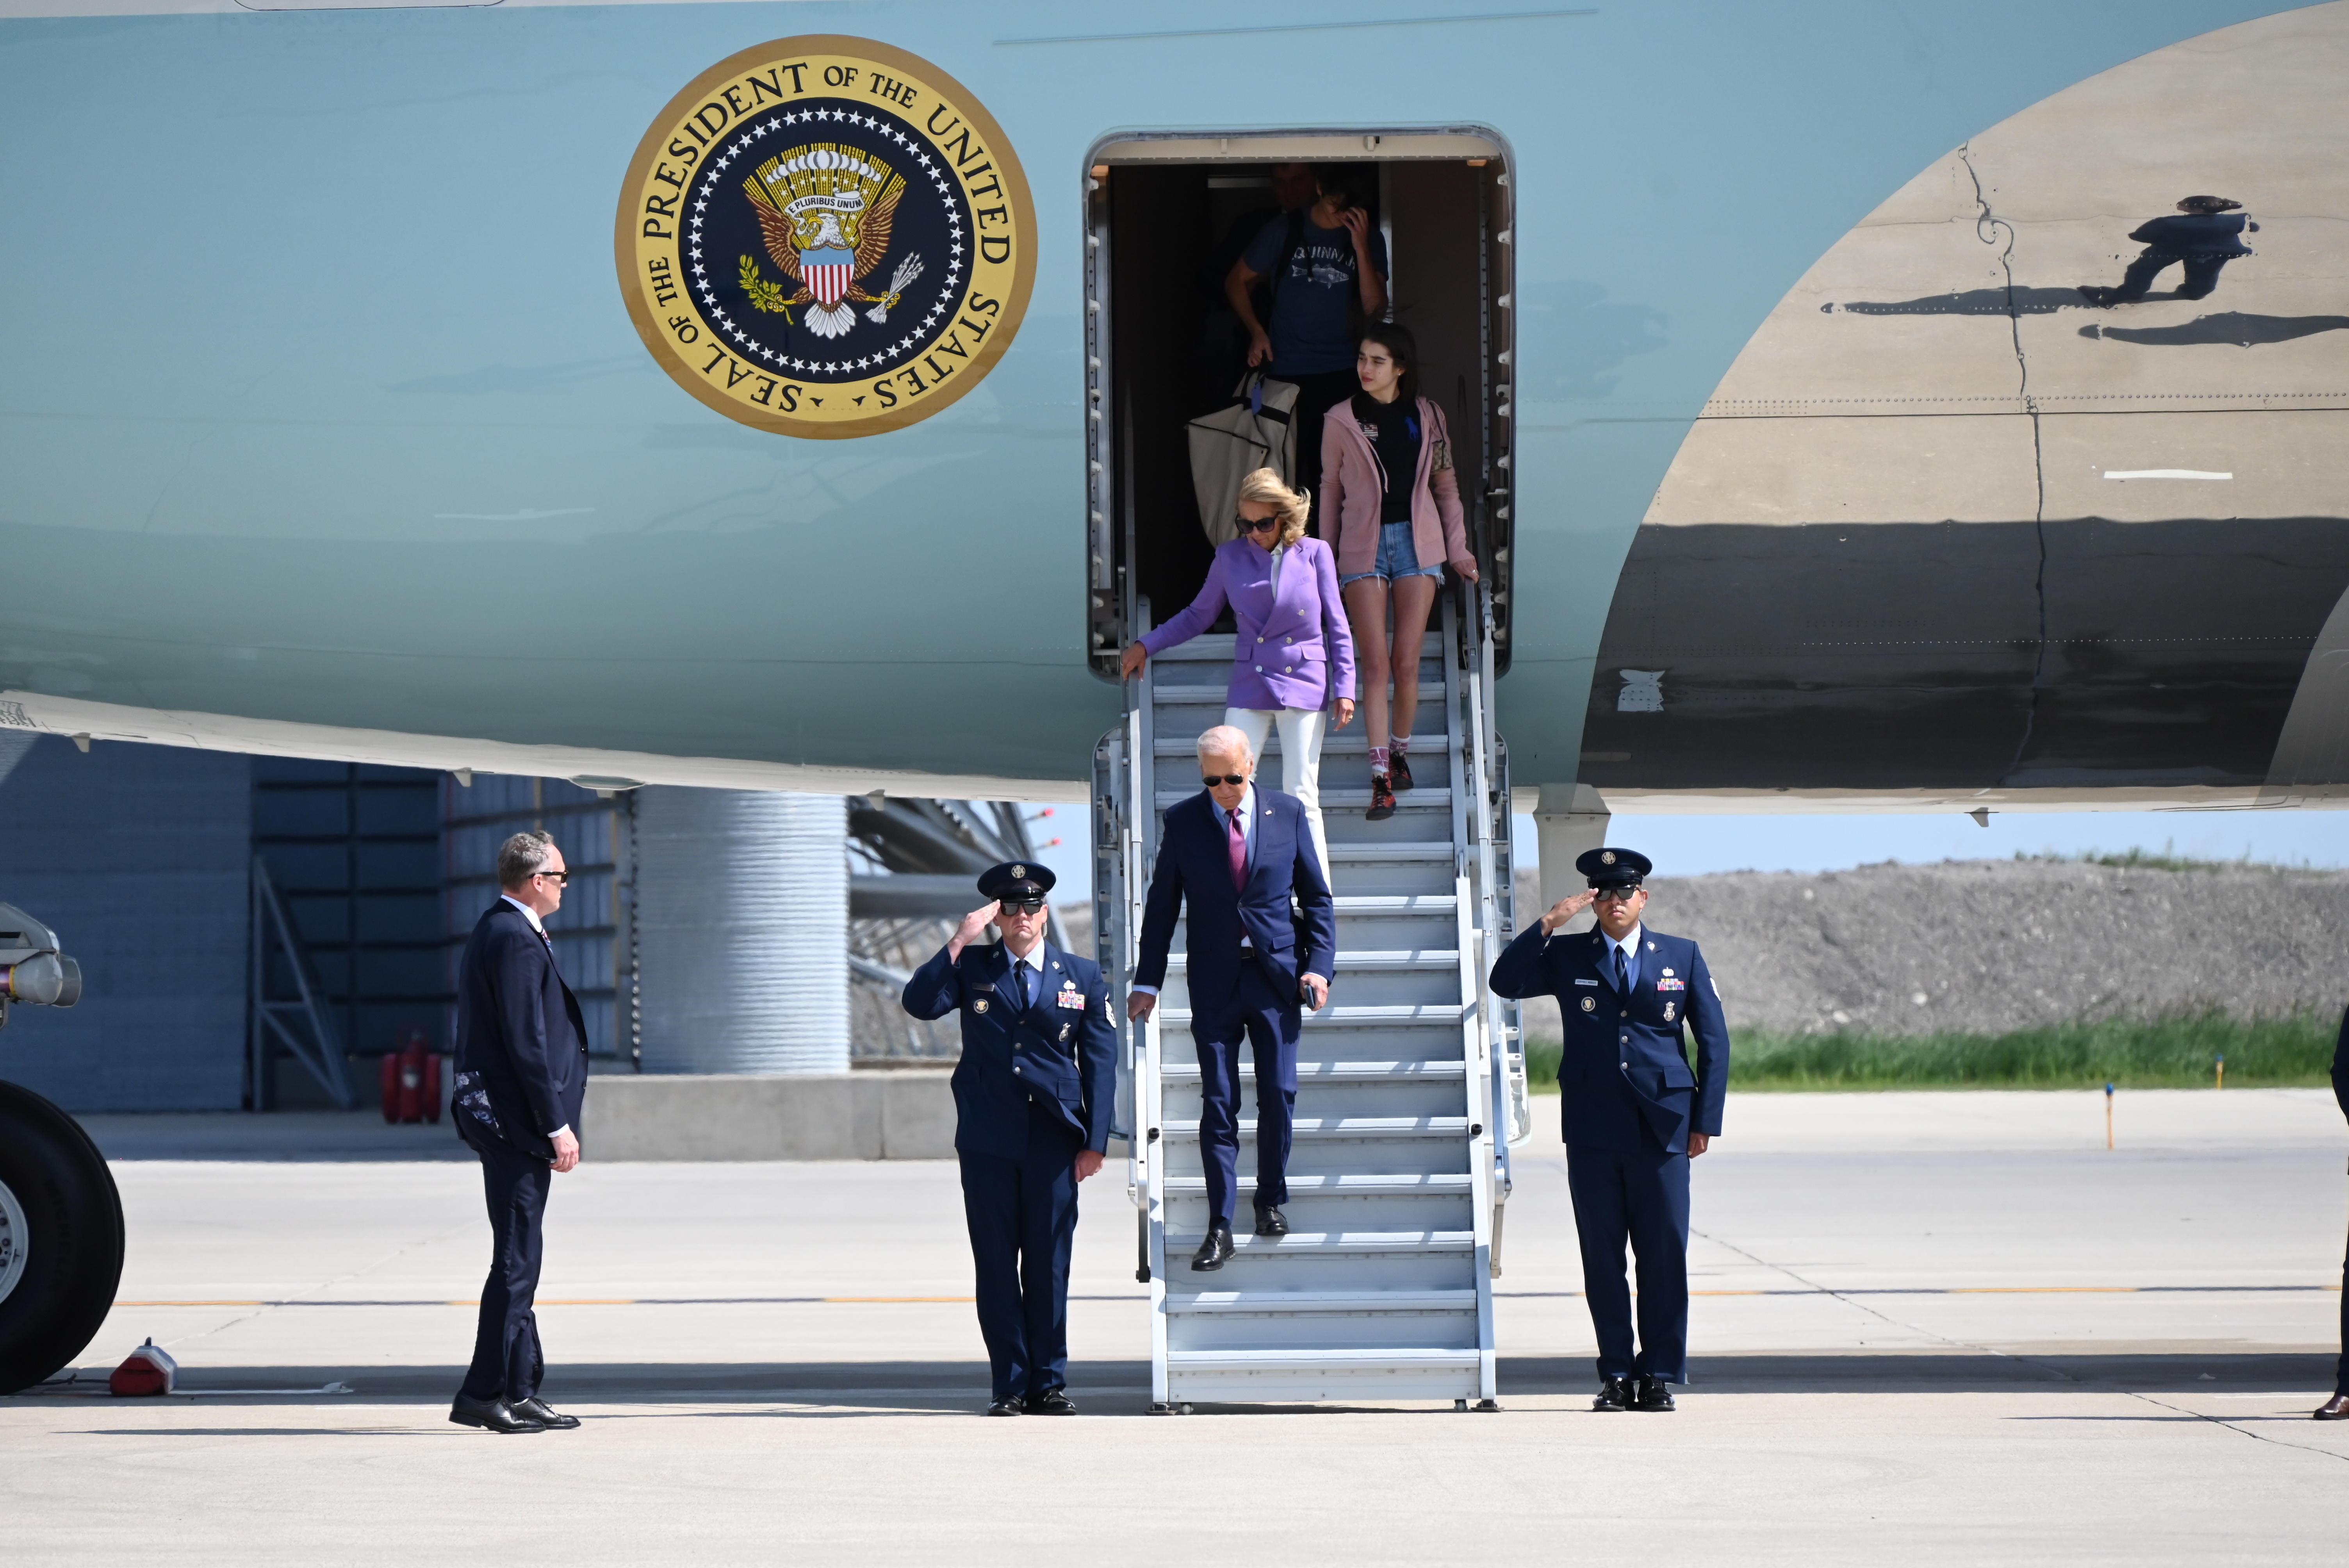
{"points": [[1630, 1102], [1036, 1084]]}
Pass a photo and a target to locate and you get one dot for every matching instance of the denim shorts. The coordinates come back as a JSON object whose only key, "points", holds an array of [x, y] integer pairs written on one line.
{"points": [[1398, 557]]}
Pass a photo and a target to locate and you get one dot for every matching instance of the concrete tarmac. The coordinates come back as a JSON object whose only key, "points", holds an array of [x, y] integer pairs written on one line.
{"points": [[1931, 1329]]}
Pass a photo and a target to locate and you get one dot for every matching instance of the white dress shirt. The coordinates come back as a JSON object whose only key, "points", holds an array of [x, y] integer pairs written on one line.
{"points": [[531, 915], [1035, 962]]}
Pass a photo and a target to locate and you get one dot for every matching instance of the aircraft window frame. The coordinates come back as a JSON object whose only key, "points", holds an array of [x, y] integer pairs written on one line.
{"points": [[1112, 609]]}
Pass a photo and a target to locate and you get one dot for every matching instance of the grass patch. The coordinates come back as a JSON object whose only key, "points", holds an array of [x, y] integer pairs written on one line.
{"points": [[2159, 1053]]}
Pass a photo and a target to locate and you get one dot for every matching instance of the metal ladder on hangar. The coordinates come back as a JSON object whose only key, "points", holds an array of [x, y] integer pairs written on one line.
{"points": [[1410, 1084]]}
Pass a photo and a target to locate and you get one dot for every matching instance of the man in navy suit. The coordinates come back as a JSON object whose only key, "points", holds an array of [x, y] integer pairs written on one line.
{"points": [[1634, 1114], [1034, 1093], [2336, 1408], [1262, 936], [521, 1076]]}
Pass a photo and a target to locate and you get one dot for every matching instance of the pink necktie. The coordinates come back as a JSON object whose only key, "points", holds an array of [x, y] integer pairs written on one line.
{"points": [[1239, 853]]}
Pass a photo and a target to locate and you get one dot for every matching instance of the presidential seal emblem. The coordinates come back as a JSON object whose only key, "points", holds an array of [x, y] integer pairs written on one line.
{"points": [[825, 236]]}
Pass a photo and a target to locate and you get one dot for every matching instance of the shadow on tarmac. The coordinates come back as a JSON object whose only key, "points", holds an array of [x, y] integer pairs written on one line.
{"points": [[1122, 1388]]}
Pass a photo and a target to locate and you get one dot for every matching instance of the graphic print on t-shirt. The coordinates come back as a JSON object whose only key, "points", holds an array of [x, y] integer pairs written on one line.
{"points": [[1314, 298]]}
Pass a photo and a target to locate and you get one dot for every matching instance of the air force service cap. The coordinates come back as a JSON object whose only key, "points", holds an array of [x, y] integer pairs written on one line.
{"points": [[1614, 868], [1016, 880]]}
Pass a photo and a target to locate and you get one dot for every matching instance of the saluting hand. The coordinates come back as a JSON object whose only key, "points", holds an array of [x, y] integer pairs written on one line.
{"points": [[973, 926], [1566, 909]]}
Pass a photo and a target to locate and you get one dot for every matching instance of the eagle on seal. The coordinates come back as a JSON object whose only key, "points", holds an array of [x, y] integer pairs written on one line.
{"points": [[825, 213]]}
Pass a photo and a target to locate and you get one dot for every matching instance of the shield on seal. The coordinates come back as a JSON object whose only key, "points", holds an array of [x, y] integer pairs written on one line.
{"points": [[828, 272]]}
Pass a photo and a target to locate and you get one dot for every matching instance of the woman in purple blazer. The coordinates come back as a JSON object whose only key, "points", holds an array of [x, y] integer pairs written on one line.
{"points": [[1294, 657]]}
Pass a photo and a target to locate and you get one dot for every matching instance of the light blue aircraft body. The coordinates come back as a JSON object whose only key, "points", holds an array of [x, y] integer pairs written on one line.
{"points": [[323, 425]]}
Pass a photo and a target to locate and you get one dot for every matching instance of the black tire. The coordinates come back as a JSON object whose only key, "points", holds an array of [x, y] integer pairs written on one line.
{"points": [[73, 1245]]}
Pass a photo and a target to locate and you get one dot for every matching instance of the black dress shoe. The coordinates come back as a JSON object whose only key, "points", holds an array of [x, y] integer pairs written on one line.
{"points": [[1010, 1405], [1213, 1250], [1655, 1394], [1614, 1394], [2336, 1408], [537, 1409], [1271, 1222], [492, 1416], [1051, 1402]]}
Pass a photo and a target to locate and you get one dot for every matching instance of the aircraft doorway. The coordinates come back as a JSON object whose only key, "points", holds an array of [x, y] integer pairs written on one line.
{"points": [[1167, 216]]}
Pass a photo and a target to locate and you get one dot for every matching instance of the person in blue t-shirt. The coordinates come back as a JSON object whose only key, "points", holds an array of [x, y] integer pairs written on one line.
{"points": [[1328, 269]]}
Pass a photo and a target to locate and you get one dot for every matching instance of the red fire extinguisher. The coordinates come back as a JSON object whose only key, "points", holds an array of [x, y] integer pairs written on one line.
{"points": [[411, 1081]]}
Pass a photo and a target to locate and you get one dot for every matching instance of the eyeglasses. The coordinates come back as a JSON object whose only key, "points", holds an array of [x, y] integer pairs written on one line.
{"points": [[1212, 780], [1615, 895], [561, 878], [1019, 905], [1255, 524]]}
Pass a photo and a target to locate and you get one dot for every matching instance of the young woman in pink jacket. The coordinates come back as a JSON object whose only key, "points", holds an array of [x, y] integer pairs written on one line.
{"points": [[1390, 497]]}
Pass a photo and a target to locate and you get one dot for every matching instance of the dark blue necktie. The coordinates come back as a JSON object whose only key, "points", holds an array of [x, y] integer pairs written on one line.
{"points": [[1020, 977], [1622, 974]]}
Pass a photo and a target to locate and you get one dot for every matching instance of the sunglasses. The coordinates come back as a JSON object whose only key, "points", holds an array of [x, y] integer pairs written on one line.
{"points": [[1021, 905], [1212, 780], [561, 879], [1615, 895], [1255, 524]]}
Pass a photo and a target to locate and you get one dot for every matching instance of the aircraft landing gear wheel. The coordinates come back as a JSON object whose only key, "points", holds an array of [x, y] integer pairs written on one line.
{"points": [[60, 1239]]}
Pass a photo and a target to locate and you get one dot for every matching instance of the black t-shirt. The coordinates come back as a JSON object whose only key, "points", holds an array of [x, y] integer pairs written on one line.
{"points": [[1397, 444]]}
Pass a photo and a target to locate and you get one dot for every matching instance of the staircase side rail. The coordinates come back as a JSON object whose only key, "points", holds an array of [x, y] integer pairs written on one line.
{"points": [[1147, 1154], [1499, 870]]}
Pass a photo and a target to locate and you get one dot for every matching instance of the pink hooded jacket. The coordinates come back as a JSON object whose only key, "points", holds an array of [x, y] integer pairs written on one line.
{"points": [[1353, 485]]}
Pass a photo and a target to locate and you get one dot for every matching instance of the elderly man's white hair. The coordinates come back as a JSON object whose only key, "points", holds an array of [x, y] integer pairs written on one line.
{"points": [[1228, 740]]}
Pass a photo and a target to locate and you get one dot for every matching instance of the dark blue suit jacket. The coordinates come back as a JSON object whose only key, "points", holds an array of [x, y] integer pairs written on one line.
{"points": [[1195, 867], [1626, 1061], [522, 1045], [1059, 1055], [2341, 1067]]}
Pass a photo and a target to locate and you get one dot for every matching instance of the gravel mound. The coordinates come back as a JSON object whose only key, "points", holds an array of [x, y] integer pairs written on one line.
{"points": [[1986, 946]]}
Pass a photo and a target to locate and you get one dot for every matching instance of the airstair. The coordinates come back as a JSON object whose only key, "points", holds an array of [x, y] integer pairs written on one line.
{"points": [[1410, 1084]]}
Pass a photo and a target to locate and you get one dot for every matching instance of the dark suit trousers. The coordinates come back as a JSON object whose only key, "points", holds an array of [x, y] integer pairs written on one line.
{"points": [[506, 1359], [1640, 1198], [2341, 1372], [1022, 1215], [1269, 1024]]}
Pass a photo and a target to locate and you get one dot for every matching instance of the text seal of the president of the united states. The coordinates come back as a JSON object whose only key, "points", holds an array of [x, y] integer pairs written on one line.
{"points": [[825, 236]]}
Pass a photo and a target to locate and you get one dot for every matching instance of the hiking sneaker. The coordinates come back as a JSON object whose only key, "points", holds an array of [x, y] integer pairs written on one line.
{"points": [[1400, 775], [1382, 800]]}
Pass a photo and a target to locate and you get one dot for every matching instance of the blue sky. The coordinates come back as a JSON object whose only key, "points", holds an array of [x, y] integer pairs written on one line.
{"points": [[1694, 846]]}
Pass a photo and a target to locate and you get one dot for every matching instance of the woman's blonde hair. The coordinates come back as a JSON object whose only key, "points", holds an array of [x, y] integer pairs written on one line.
{"points": [[1292, 507]]}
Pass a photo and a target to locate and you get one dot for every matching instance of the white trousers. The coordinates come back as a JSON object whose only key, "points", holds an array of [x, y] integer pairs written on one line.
{"points": [[1300, 760]]}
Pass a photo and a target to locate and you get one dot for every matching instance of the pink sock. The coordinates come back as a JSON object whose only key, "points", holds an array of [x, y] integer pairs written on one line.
{"points": [[1378, 760], [1401, 744]]}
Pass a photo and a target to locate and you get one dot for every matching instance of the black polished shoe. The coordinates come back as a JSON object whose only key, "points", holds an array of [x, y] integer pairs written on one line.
{"points": [[1010, 1405], [537, 1409], [1614, 1394], [1655, 1394], [492, 1416], [1271, 1222], [2336, 1408], [1213, 1250], [1051, 1402], [1398, 772]]}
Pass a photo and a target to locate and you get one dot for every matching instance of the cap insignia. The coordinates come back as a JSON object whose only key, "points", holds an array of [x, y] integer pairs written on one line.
{"points": [[1019, 871], [1605, 857]]}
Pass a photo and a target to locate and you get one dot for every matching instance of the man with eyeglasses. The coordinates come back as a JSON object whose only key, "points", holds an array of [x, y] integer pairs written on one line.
{"points": [[521, 1078], [1034, 1093], [1240, 863], [1634, 1114]]}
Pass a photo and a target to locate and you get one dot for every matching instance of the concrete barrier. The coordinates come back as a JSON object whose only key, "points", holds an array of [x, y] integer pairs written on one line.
{"points": [[893, 1114]]}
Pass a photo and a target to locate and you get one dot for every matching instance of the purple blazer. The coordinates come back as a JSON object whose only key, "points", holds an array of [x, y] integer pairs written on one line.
{"points": [[1294, 649]]}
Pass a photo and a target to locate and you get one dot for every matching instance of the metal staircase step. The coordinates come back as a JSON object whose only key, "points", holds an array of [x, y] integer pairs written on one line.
{"points": [[1356, 1017], [1350, 744], [1405, 1184], [1332, 1244], [1218, 696], [1426, 798], [1400, 1360], [1437, 851], [1318, 1301], [1336, 1072], [1309, 1128], [1434, 960]]}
